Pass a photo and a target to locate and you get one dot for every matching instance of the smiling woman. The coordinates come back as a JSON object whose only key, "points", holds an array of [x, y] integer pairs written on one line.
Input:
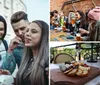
{"points": [[3, 26], [3, 43], [1, 29]]}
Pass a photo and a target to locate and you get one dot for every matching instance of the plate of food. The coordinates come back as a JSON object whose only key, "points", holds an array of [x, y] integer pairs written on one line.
{"points": [[76, 73], [76, 69]]}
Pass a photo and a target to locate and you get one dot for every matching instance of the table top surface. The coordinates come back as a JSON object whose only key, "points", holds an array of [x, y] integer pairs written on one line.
{"points": [[93, 81], [63, 36], [60, 36]]}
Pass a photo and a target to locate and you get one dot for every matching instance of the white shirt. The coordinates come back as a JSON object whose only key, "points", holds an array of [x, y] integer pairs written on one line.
{"points": [[2, 51]]}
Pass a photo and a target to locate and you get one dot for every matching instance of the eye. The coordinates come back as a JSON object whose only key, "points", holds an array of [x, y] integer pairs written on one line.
{"points": [[22, 28], [16, 30], [34, 31], [1, 29]]}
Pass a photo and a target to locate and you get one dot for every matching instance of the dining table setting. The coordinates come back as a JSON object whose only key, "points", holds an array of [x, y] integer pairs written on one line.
{"points": [[60, 35], [6, 78], [77, 73]]}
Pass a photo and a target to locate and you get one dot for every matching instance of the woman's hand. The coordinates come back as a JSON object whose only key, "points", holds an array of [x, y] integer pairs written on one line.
{"points": [[82, 31]]}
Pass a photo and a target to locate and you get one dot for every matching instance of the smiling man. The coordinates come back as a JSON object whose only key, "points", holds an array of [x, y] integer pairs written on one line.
{"points": [[19, 21]]}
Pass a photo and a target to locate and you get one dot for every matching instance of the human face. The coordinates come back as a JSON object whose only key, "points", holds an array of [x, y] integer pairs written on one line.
{"points": [[56, 14], [77, 15], [20, 28], [1, 29], [33, 35]]}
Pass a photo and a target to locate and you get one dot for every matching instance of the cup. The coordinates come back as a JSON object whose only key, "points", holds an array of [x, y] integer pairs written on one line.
{"points": [[63, 28], [78, 37]]}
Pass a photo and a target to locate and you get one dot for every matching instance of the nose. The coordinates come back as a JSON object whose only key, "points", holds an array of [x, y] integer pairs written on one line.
{"points": [[20, 32], [27, 33]]}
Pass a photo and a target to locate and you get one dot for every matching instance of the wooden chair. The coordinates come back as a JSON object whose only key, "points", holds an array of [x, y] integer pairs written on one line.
{"points": [[63, 57]]}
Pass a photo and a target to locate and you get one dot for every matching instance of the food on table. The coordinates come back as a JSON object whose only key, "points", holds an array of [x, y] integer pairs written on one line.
{"points": [[76, 69], [4, 72], [72, 73]]}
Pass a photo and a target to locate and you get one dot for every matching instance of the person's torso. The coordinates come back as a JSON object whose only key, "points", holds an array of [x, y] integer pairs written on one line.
{"points": [[18, 53], [2, 52]]}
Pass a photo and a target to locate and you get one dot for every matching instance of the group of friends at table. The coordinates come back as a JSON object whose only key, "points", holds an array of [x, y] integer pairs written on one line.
{"points": [[86, 24]]}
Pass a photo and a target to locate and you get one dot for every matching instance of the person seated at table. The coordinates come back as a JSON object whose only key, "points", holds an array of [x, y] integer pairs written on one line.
{"points": [[70, 23], [62, 19], [3, 28], [19, 21], [52, 21], [35, 60], [85, 31], [56, 18], [4, 46], [81, 20], [83, 28], [94, 24]]}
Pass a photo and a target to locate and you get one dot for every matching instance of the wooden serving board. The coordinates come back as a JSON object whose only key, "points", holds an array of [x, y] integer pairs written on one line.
{"points": [[59, 78]]}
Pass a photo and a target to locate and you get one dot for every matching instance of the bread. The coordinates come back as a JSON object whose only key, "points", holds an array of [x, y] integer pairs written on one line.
{"points": [[85, 73], [84, 68], [78, 63], [77, 69], [79, 72], [72, 73], [67, 71], [82, 73]]}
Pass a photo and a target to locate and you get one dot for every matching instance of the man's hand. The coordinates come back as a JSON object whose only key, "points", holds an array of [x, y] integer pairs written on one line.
{"points": [[14, 43]]}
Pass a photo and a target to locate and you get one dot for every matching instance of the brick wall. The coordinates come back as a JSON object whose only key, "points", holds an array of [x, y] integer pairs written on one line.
{"points": [[82, 5], [56, 4]]}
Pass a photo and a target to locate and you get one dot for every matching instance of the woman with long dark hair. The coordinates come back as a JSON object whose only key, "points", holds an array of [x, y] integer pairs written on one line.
{"points": [[3, 43], [35, 60], [7, 62], [3, 27], [94, 24]]}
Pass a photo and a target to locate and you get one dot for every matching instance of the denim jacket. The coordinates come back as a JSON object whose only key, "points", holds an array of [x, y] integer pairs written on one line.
{"points": [[11, 59]]}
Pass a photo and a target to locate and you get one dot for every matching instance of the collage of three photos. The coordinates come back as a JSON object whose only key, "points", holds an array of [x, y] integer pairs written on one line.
{"points": [[49, 42]]}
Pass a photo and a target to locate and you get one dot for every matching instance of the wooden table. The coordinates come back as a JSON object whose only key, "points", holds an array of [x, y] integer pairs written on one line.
{"points": [[93, 81], [59, 36]]}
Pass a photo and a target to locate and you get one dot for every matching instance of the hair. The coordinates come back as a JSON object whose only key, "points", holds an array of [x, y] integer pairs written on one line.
{"points": [[81, 14], [94, 30], [55, 11], [51, 14], [5, 26], [36, 74], [16, 17]]}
